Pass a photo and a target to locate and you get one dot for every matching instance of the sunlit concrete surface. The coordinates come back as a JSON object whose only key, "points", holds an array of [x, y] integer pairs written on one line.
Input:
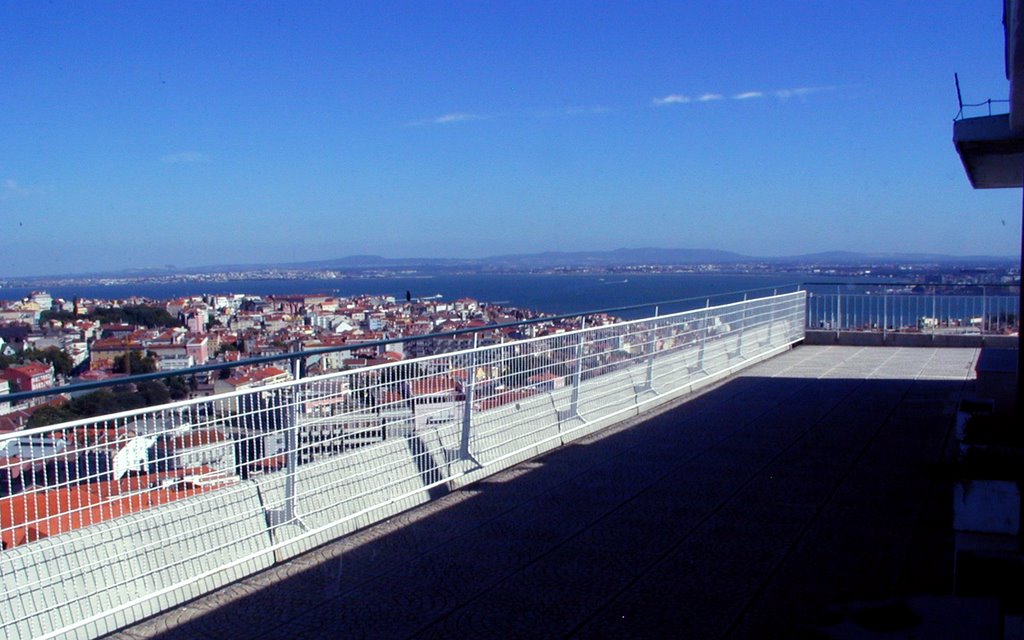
{"points": [[813, 478]]}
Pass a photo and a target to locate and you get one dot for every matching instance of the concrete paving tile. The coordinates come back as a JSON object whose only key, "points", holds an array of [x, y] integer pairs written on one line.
{"points": [[776, 613], [360, 613], [637, 535], [688, 608], [516, 613]]}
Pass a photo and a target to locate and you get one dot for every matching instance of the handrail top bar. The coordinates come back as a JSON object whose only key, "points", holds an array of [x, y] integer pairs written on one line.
{"points": [[865, 283], [286, 384], [295, 355]]}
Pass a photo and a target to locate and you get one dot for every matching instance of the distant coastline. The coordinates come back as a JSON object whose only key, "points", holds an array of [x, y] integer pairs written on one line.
{"points": [[618, 262], [550, 293], [559, 282], [554, 292]]}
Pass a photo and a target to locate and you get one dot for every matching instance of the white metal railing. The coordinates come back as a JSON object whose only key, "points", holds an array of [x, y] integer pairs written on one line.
{"points": [[913, 312], [108, 520]]}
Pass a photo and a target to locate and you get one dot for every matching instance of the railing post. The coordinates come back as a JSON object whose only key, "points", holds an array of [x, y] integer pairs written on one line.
{"points": [[839, 311], [291, 416], [984, 311], [467, 409], [649, 382], [802, 303], [703, 340], [574, 403], [885, 316], [809, 306], [743, 327]]}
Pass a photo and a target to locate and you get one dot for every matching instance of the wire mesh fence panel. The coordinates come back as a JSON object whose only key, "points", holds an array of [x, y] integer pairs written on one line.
{"points": [[913, 313], [107, 520]]}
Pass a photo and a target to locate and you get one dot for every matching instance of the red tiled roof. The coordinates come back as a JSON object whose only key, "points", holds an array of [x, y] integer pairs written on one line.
{"points": [[29, 516], [31, 368], [109, 344], [97, 374], [432, 385], [255, 376], [505, 397]]}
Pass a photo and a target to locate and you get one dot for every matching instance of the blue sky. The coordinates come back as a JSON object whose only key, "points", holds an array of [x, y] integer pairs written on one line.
{"points": [[146, 134]]}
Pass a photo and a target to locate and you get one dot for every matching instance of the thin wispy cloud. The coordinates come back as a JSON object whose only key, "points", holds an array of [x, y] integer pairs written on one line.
{"points": [[448, 118], [457, 117], [184, 157], [566, 112], [674, 98], [11, 188], [800, 92], [582, 111], [781, 94]]}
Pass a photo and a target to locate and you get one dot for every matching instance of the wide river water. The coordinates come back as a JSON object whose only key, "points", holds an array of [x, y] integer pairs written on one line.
{"points": [[542, 292]]}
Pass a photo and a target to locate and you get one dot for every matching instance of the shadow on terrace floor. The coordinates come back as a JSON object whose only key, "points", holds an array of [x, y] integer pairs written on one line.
{"points": [[740, 513]]}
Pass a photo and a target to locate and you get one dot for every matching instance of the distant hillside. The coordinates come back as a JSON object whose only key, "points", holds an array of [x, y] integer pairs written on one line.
{"points": [[641, 256], [617, 257], [572, 259], [850, 257]]}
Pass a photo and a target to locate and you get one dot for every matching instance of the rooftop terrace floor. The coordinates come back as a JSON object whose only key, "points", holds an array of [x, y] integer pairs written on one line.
{"points": [[812, 478]]}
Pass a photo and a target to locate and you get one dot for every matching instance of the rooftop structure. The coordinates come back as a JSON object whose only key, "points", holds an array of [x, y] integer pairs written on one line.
{"points": [[745, 512], [991, 147], [714, 517]]}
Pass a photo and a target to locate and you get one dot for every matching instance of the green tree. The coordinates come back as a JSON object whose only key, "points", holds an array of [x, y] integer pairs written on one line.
{"points": [[136, 363], [62, 316], [95, 404], [120, 398], [144, 315], [153, 392], [141, 314], [47, 415], [399, 373], [225, 347], [521, 368], [177, 387], [61, 361]]}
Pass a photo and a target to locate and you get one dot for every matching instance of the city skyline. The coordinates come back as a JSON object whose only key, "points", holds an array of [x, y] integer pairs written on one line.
{"points": [[143, 136]]}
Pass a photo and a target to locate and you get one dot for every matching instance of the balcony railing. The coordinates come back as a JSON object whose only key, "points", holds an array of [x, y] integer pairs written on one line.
{"points": [[108, 520], [980, 310]]}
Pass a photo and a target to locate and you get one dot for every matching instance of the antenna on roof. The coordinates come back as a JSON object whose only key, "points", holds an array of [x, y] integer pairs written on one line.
{"points": [[959, 98]]}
